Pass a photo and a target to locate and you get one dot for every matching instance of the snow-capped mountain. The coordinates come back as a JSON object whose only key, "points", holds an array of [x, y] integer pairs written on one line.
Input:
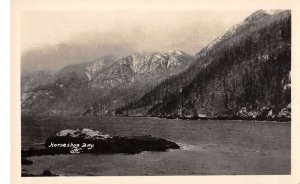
{"points": [[142, 67], [78, 87]]}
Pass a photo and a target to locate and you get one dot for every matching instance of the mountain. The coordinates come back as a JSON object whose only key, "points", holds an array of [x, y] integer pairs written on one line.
{"points": [[142, 67], [98, 87], [34, 79], [65, 90], [83, 72], [243, 74]]}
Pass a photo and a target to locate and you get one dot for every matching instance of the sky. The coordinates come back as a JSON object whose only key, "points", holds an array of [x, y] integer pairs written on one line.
{"points": [[53, 39]]}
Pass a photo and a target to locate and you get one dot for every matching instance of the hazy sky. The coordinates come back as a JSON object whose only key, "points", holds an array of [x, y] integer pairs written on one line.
{"points": [[53, 39]]}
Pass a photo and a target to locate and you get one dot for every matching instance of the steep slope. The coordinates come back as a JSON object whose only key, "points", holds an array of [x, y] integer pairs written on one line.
{"points": [[66, 90], [244, 73], [140, 68], [34, 79], [97, 88], [130, 77]]}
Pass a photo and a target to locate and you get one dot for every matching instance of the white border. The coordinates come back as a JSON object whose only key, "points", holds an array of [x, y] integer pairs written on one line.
{"points": [[21, 5], [5, 90]]}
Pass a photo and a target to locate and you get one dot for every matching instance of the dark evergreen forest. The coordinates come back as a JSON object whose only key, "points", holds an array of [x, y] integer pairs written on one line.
{"points": [[247, 73]]}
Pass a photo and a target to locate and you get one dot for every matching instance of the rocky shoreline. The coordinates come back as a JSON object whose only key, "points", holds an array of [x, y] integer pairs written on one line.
{"points": [[262, 114], [282, 119]]}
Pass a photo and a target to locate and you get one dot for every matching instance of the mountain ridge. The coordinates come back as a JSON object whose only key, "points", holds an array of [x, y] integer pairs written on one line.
{"points": [[227, 76], [91, 83]]}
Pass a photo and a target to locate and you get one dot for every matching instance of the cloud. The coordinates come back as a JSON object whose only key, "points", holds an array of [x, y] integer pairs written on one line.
{"points": [[53, 39]]}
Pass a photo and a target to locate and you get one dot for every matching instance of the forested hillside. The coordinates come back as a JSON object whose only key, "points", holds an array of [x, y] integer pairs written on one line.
{"points": [[243, 74]]}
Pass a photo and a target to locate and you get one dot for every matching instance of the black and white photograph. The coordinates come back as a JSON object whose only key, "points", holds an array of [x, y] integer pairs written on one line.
{"points": [[155, 92]]}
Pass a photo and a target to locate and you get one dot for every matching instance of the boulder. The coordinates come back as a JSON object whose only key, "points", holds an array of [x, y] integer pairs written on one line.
{"points": [[285, 113]]}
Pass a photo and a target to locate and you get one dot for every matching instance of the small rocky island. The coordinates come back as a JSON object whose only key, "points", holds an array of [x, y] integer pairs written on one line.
{"points": [[90, 141]]}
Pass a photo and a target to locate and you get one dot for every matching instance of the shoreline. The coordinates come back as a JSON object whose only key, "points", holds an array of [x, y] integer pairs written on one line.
{"points": [[234, 118]]}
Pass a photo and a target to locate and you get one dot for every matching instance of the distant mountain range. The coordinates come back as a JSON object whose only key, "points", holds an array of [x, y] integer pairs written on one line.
{"points": [[242, 74], [99, 86]]}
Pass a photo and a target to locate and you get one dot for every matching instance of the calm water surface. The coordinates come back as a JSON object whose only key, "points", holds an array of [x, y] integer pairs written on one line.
{"points": [[207, 147]]}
